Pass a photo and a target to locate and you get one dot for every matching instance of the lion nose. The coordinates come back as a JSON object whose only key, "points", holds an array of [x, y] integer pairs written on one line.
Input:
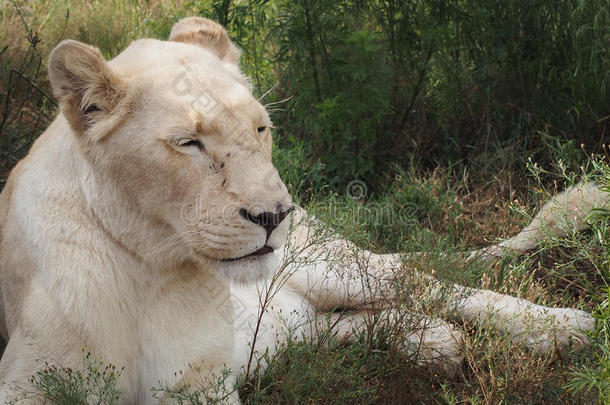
{"points": [[267, 220]]}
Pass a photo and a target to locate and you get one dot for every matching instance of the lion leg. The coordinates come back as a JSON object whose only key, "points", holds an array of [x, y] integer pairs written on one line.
{"points": [[360, 279], [23, 356], [566, 210], [538, 327], [428, 341], [334, 273], [364, 283], [15, 369]]}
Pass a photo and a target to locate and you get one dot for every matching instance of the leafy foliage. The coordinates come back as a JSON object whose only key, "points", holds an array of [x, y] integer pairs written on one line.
{"points": [[215, 390], [94, 383], [384, 82]]}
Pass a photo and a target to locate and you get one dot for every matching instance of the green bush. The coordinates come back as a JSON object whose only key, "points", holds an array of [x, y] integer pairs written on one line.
{"points": [[94, 383], [385, 82]]}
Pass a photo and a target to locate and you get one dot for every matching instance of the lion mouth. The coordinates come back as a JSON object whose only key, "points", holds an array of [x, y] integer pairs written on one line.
{"points": [[260, 252]]}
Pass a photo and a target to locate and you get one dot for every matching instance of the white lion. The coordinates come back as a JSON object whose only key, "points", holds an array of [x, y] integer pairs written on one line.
{"points": [[145, 225]]}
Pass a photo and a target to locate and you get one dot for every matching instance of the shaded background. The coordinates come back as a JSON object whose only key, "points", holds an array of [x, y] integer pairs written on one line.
{"points": [[365, 86]]}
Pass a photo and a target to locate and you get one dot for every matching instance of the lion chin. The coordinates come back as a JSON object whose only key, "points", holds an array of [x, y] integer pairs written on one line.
{"points": [[245, 270], [249, 269]]}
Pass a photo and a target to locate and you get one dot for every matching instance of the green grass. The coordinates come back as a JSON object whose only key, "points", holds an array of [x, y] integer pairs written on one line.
{"points": [[94, 383], [572, 270]]}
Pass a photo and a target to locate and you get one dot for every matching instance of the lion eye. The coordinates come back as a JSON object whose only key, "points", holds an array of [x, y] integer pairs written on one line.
{"points": [[261, 129], [191, 142], [91, 108]]}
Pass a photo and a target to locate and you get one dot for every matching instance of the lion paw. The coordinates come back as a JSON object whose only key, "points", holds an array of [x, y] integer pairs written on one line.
{"points": [[487, 254], [437, 344], [559, 328]]}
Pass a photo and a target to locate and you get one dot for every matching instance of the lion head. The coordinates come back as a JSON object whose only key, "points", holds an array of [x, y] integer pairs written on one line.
{"points": [[172, 133]]}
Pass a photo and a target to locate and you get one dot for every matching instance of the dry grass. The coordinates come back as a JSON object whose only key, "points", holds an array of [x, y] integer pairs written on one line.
{"points": [[94, 22]]}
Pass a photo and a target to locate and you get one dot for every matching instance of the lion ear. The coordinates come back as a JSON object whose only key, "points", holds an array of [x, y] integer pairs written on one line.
{"points": [[208, 35], [83, 83]]}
